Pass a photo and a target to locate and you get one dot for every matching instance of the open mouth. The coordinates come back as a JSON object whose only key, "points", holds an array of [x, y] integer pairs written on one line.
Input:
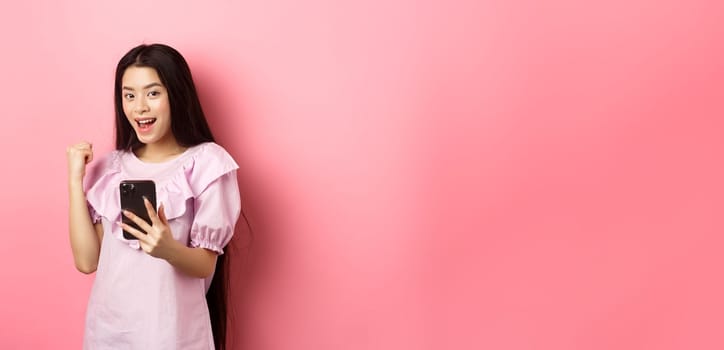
{"points": [[145, 124]]}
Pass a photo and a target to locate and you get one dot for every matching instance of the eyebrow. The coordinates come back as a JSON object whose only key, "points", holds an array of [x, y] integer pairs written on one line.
{"points": [[145, 87]]}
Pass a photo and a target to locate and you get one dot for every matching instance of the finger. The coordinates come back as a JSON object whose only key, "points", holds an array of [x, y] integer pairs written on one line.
{"points": [[73, 149], [151, 211], [133, 231], [83, 145], [145, 226], [162, 214], [79, 148], [88, 155]]}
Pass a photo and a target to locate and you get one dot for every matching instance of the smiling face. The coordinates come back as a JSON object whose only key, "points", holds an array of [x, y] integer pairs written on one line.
{"points": [[146, 105]]}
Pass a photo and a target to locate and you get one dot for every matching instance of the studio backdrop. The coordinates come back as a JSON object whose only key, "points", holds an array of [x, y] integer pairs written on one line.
{"points": [[417, 174]]}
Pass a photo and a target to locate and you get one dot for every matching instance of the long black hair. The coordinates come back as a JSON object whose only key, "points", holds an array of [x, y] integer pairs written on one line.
{"points": [[190, 128]]}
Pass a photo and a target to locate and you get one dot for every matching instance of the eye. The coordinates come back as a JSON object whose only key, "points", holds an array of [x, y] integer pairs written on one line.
{"points": [[128, 96], [154, 94]]}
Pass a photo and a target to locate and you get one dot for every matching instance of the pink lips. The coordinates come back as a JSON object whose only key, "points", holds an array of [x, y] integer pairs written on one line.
{"points": [[145, 124]]}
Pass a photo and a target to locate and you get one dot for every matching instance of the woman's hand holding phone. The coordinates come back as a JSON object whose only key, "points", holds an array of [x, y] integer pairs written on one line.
{"points": [[155, 238]]}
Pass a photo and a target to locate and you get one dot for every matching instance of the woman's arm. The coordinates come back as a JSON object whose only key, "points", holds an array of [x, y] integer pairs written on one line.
{"points": [[85, 237], [196, 262]]}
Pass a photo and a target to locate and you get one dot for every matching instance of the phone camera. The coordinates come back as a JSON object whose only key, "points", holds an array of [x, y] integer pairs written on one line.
{"points": [[127, 189]]}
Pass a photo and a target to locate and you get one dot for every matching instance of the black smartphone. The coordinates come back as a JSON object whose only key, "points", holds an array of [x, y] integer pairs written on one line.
{"points": [[132, 193]]}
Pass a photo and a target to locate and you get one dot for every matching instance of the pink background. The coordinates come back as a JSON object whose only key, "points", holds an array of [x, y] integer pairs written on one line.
{"points": [[420, 174]]}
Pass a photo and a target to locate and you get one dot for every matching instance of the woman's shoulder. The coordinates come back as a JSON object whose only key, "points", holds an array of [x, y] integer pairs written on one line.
{"points": [[207, 162], [213, 154], [103, 169], [212, 148], [108, 162]]}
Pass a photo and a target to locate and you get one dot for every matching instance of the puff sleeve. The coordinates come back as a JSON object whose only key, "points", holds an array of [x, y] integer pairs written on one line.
{"points": [[99, 185], [216, 210], [95, 217]]}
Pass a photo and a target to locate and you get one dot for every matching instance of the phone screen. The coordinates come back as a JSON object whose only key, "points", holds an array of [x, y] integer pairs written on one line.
{"points": [[132, 193]]}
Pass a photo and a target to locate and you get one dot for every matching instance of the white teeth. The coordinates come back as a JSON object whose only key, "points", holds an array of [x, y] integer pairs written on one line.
{"points": [[147, 121]]}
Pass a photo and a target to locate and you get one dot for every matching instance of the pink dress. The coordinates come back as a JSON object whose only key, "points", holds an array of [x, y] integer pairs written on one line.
{"points": [[142, 302]]}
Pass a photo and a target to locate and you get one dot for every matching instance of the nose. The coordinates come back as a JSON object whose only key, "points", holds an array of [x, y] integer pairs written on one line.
{"points": [[141, 106]]}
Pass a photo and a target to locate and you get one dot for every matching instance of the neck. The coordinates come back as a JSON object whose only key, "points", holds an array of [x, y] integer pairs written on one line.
{"points": [[159, 151]]}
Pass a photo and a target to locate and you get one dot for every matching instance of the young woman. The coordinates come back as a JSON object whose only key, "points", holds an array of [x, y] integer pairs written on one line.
{"points": [[151, 292]]}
